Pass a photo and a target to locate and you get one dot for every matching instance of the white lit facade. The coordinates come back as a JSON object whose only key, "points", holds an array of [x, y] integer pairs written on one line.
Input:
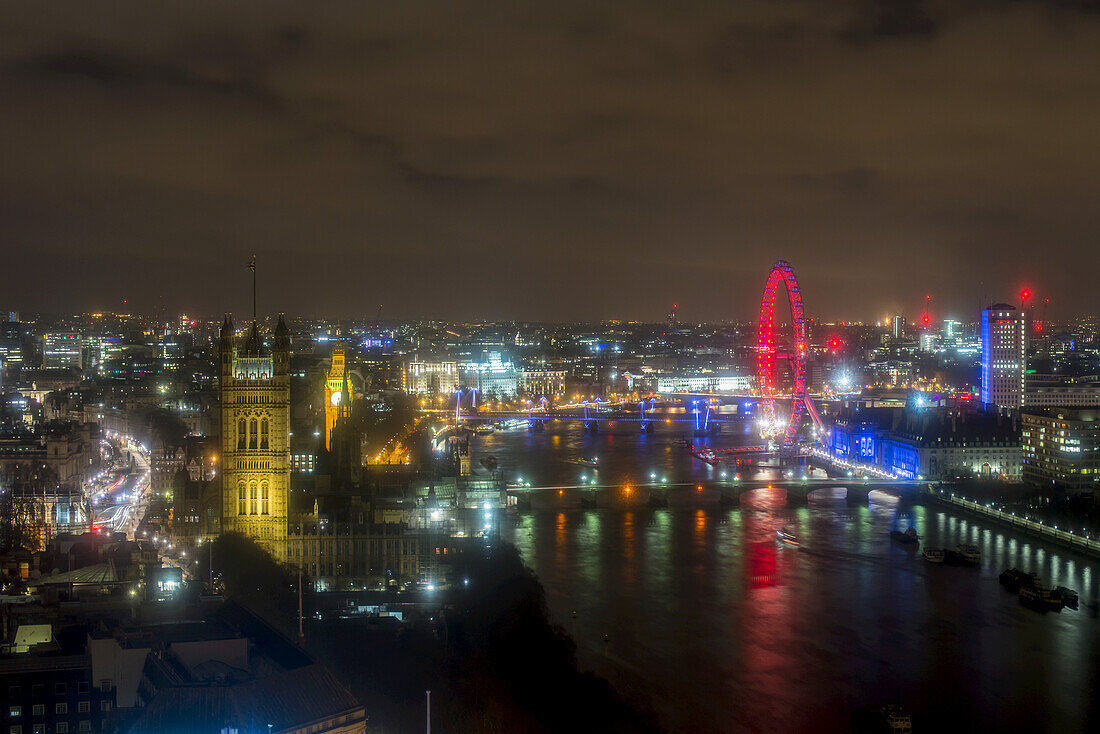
{"points": [[1004, 356]]}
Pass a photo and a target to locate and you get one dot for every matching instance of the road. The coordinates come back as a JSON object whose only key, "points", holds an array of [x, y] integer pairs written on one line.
{"points": [[119, 500]]}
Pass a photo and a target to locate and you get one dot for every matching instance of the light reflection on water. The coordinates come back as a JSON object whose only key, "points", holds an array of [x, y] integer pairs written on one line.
{"points": [[723, 629]]}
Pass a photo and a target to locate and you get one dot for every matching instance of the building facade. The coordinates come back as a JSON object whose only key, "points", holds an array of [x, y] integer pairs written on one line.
{"points": [[928, 443], [255, 434], [431, 378], [1004, 356], [1057, 391], [61, 350], [1061, 447]]}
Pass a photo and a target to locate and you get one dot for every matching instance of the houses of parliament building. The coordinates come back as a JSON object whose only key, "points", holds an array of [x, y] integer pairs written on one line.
{"points": [[339, 532], [255, 431]]}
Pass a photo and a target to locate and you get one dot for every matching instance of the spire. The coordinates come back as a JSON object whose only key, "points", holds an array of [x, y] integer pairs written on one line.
{"points": [[227, 328], [253, 344]]}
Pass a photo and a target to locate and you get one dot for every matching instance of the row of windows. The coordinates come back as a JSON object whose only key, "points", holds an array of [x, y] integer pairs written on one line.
{"points": [[39, 709], [61, 727], [59, 689], [248, 503], [248, 435]]}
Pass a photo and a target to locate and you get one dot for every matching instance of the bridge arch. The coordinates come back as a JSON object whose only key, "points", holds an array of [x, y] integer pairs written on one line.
{"points": [[766, 369]]}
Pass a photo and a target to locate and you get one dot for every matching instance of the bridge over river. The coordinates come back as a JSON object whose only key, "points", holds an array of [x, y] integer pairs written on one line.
{"points": [[726, 493]]}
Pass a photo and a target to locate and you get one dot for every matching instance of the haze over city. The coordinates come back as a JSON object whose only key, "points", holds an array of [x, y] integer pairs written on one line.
{"points": [[550, 161], [539, 367]]}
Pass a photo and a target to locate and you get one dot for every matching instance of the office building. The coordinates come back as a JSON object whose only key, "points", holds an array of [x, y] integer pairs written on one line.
{"points": [[1004, 356], [1054, 391], [61, 350], [1061, 447]]}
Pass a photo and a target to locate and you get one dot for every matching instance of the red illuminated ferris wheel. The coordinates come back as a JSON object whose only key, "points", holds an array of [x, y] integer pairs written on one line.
{"points": [[766, 354]]}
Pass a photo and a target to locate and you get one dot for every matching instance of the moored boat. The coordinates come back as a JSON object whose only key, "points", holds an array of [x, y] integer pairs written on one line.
{"points": [[933, 555], [1013, 578], [908, 537], [1043, 600], [1067, 596], [969, 553]]}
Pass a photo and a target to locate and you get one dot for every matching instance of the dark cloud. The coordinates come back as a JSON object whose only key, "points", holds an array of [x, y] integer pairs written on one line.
{"points": [[549, 160], [887, 19]]}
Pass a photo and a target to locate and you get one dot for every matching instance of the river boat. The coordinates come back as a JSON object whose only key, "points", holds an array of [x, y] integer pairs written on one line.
{"points": [[969, 553], [487, 430], [1013, 578], [1067, 596], [908, 537], [1043, 600], [786, 536], [934, 555]]}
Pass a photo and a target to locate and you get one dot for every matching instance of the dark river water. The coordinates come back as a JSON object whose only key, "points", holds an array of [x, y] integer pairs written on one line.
{"points": [[718, 628]]}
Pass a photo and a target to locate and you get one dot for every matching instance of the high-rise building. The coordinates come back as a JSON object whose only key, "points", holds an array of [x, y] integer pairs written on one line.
{"points": [[334, 393], [255, 428], [61, 349], [1004, 356], [899, 327]]}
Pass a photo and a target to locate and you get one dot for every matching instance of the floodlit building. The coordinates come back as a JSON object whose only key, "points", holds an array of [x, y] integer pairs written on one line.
{"points": [[1004, 356], [492, 377], [335, 388], [255, 434], [703, 383], [543, 382], [931, 443], [431, 378]]}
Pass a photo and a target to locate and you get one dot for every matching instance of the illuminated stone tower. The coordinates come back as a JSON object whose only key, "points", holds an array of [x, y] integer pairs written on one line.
{"points": [[255, 429], [334, 392]]}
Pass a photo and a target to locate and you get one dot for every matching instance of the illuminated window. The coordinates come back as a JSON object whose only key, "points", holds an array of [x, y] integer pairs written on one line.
{"points": [[252, 498], [263, 499], [241, 507]]}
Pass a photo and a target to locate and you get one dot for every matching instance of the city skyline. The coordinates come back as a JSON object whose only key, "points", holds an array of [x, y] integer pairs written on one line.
{"points": [[551, 162]]}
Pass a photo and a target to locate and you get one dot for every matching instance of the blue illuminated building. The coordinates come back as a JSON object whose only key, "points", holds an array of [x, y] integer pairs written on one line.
{"points": [[1004, 356]]}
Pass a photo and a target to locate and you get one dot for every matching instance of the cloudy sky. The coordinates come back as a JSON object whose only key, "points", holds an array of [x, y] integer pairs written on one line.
{"points": [[549, 160]]}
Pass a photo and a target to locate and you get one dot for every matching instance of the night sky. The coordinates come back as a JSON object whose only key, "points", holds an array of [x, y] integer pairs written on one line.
{"points": [[549, 160]]}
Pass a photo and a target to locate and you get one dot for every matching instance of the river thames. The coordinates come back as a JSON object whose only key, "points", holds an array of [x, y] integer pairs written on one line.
{"points": [[699, 614]]}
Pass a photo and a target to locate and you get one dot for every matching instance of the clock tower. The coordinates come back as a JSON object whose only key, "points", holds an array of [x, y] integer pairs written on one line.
{"points": [[337, 395]]}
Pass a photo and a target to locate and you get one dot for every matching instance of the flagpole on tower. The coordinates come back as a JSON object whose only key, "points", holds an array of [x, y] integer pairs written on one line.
{"points": [[252, 267]]}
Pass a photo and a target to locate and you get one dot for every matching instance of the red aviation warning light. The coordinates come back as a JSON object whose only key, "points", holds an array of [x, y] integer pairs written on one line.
{"points": [[925, 320], [834, 343], [1025, 295]]}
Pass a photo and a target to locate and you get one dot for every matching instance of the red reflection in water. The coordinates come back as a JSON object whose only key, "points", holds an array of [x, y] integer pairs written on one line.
{"points": [[763, 565]]}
